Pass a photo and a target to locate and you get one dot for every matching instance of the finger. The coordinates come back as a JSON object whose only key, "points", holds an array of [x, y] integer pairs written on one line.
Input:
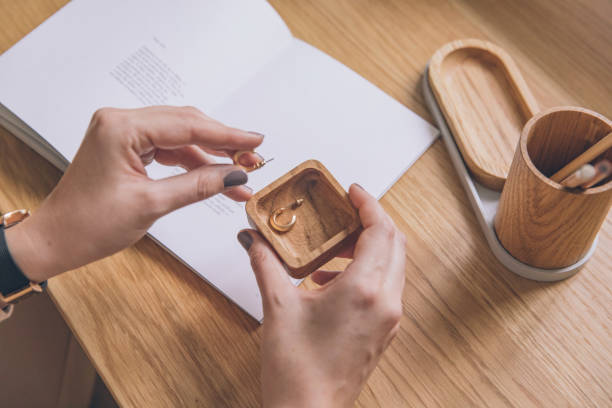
{"points": [[272, 279], [397, 267], [187, 157], [147, 157], [214, 152], [170, 127], [375, 245], [229, 153], [375, 241], [323, 277], [370, 211], [192, 157], [247, 159], [196, 185], [240, 193]]}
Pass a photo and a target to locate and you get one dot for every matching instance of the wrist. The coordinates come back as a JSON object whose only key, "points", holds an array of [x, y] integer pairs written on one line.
{"points": [[31, 251]]}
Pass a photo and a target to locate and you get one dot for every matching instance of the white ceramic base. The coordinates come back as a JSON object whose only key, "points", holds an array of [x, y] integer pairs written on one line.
{"points": [[485, 201]]}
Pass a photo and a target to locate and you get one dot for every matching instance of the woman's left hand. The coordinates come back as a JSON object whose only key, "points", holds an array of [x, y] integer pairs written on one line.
{"points": [[106, 202]]}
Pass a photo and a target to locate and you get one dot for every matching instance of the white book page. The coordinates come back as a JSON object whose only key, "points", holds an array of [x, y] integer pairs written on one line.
{"points": [[314, 107], [132, 53], [309, 106]]}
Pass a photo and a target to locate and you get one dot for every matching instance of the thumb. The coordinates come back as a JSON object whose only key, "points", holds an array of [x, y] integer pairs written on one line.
{"points": [[274, 283], [196, 185]]}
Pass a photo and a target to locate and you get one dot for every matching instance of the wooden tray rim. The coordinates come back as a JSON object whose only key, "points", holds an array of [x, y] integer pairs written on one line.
{"points": [[521, 93]]}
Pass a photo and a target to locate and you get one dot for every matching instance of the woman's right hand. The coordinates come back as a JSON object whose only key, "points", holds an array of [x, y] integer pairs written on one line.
{"points": [[106, 201], [320, 346]]}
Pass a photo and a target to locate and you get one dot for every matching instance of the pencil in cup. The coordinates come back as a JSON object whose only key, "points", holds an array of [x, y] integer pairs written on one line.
{"points": [[540, 222], [581, 176], [589, 175], [603, 170], [597, 149]]}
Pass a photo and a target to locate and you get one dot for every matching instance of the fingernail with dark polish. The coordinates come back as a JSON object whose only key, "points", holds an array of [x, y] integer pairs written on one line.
{"points": [[245, 239], [235, 178], [258, 134]]}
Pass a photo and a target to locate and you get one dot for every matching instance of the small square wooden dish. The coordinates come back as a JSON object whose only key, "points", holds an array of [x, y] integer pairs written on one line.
{"points": [[326, 221]]}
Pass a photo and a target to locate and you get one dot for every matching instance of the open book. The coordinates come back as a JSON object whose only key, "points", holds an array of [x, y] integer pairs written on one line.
{"points": [[236, 61]]}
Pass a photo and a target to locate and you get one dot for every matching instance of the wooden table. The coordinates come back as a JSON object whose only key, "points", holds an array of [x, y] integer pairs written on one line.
{"points": [[473, 334]]}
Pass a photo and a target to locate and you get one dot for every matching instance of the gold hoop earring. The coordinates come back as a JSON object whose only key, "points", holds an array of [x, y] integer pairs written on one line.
{"points": [[285, 227], [236, 159]]}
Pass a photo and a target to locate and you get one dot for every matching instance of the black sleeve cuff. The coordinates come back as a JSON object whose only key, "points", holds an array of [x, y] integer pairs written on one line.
{"points": [[11, 277]]}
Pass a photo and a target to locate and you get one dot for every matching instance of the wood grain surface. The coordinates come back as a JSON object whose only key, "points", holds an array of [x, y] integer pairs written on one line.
{"points": [[485, 102], [326, 221], [472, 333], [538, 221]]}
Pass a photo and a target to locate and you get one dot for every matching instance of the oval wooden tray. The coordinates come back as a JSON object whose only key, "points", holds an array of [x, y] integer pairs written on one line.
{"points": [[485, 203], [485, 102]]}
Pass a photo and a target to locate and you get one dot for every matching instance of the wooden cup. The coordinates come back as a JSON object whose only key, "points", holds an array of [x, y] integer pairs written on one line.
{"points": [[538, 221]]}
